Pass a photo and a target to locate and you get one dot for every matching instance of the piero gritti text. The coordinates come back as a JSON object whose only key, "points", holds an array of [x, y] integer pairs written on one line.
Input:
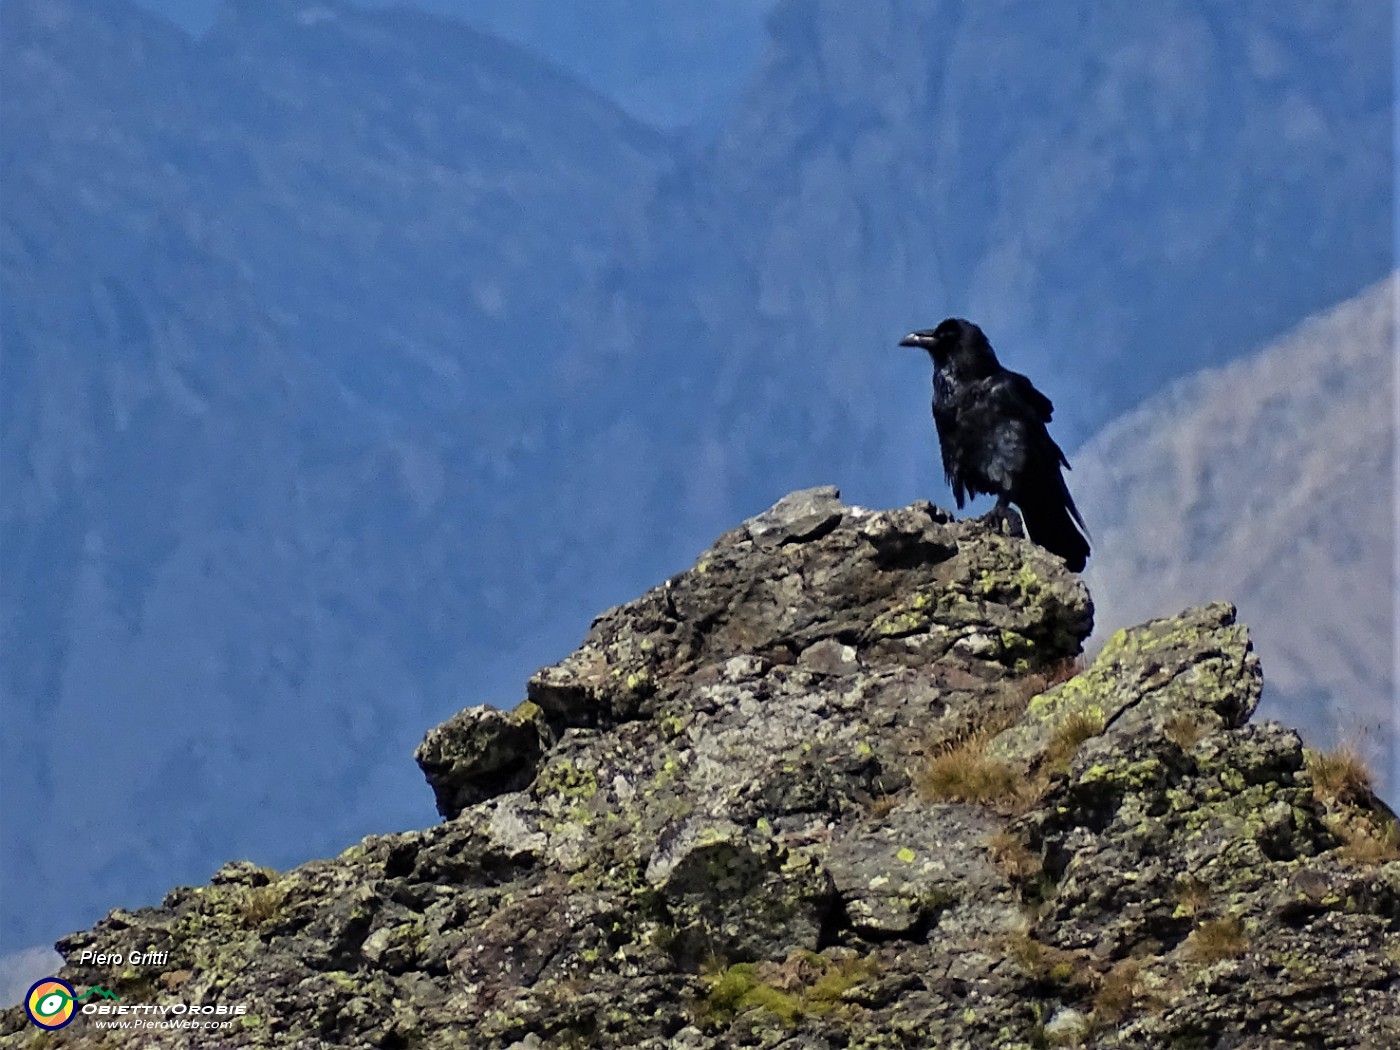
{"points": [[119, 958]]}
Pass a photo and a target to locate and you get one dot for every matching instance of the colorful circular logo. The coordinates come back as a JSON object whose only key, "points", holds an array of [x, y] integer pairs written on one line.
{"points": [[49, 1003]]}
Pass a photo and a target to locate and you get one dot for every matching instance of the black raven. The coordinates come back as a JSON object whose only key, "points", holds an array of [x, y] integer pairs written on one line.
{"points": [[991, 430]]}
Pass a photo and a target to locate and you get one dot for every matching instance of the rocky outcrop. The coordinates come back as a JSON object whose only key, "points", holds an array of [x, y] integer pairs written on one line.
{"points": [[1290, 510], [841, 783]]}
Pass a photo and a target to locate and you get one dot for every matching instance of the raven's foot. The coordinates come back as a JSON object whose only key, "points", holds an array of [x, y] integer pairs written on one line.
{"points": [[1005, 520]]}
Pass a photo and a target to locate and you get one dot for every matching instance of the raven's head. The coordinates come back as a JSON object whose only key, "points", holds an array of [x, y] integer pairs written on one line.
{"points": [[953, 340]]}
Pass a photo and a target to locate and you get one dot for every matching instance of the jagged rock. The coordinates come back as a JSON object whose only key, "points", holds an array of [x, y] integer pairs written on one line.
{"points": [[738, 895], [717, 824], [1187, 675], [481, 752], [924, 865]]}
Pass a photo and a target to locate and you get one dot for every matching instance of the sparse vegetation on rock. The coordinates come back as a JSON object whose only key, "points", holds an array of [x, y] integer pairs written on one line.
{"points": [[839, 784]]}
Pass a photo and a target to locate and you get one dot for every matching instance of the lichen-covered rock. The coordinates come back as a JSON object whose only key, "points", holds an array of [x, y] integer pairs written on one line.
{"points": [[925, 868], [716, 824], [735, 893], [481, 752], [1186, 676]]}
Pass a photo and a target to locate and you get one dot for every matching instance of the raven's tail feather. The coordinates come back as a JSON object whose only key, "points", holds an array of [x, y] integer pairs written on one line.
{"points": [[1053, 521]]}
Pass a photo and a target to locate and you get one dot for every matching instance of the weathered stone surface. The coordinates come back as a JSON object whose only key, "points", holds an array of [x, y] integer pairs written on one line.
{"points": [[1191, 674], [925, 870], [736, 894], [481, 752], [714, 825]]}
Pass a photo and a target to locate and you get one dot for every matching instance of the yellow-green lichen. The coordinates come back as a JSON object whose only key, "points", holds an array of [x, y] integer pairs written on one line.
{"points": [[1020, 588], [526, 711], [669, 772], [565, 780], [896, 622], [1117, 643], [344, 980], [807, 984], [1072, 693]]}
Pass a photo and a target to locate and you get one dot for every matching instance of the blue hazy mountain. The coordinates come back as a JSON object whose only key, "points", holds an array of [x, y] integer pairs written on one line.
{"points": [[353, 359], [1120, 193], [280, 311], [675, 65]]}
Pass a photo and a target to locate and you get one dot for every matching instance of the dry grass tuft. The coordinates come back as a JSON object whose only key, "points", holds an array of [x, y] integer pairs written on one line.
{"points": [[1076, 728], [960, 771], [1011, 856], [1339, 775], [1191, 895], [881, 806], [1118, 990], [1042, 962], [261, 903], [1367, 839], [1183, 731], [1217, 939], [1342, 782], [964, 773]]}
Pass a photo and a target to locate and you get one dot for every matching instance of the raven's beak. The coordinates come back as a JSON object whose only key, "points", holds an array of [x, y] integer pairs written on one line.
{"points": [[919, 339]]}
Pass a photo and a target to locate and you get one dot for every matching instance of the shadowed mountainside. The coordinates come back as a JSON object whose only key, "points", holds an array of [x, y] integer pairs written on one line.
{"points": [[1120, 194], [267, 304]]}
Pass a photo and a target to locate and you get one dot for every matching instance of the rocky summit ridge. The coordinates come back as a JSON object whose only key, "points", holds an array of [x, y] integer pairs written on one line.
{"points": [[842, 783]]}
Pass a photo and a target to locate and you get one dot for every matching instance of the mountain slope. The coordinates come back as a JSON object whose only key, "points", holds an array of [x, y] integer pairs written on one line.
{"points": [[1271, 480], [277, 306], [1120, 194], [675, 65]]}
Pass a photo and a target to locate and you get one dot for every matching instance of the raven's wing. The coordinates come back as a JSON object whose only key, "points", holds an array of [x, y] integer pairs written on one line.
{"points": [[1003, 435], [1024, 445], [1014, 384], [990, 432], [945, 421], [1017, 396]]}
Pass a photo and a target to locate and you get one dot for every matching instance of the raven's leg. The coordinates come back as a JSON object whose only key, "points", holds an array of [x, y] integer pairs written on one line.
{"points": [[1004, 519]]}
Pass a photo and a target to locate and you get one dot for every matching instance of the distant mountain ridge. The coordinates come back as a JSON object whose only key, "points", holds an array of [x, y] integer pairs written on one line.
{"points": [[675, 66], [1119, 194]]}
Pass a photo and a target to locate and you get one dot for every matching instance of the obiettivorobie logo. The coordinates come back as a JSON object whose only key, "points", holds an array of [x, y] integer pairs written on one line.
{"points": [[52, 1003]]}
